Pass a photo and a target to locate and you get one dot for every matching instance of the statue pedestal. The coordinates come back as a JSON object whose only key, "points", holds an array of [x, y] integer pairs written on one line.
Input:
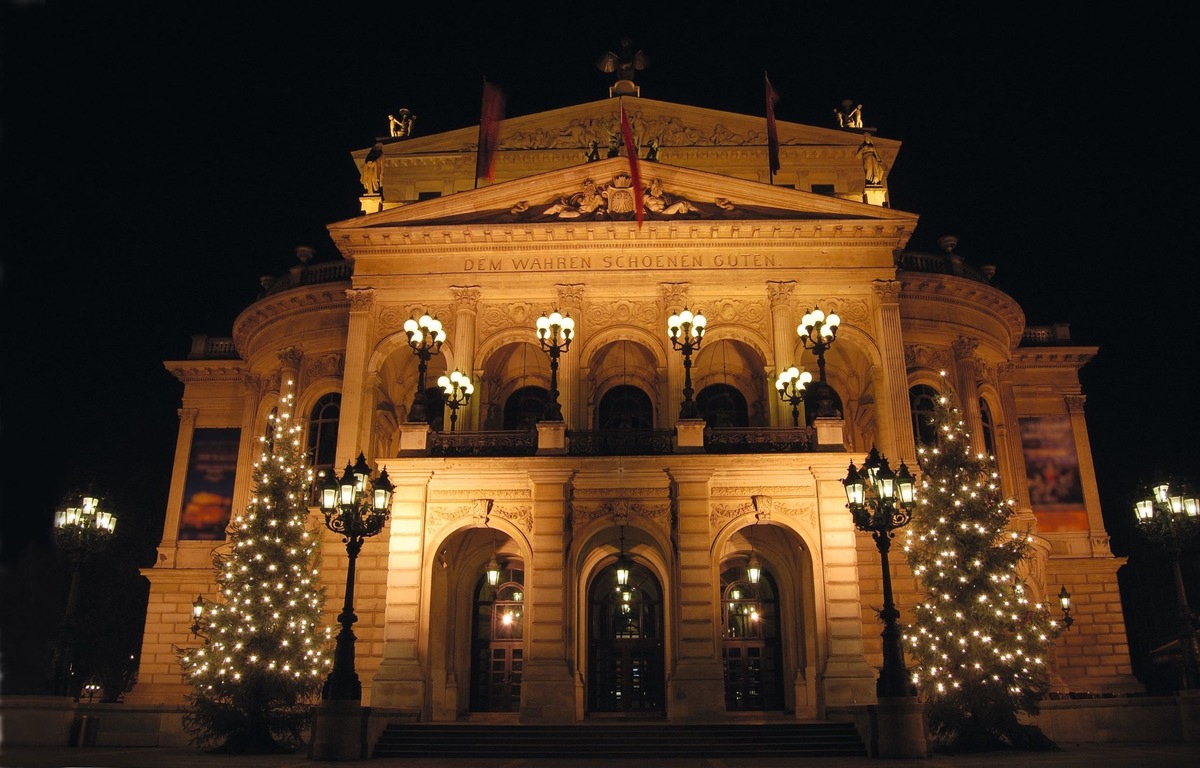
{"points": [[371, 203], [830, 433], [689, 435], [874, 194], [552, 437], [899, 728], [414, 437]]}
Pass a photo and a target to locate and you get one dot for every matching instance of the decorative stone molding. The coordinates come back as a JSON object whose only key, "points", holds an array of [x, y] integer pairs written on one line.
{"points": [[332, 364], [621, 510], [780, 292], [852, 312], [466, 296], [361, 299], [762, 506], [494, 318], [621, 312], [187, 416], [924, 356], [888, 291], [964, 347], [674, 294], [570, 295], [289, 357], [750, 313], [604, 493], [480, 510], [744, 491], [1075, 403], [500, 493], [1005, 371], [762, 509], [392, 317]]}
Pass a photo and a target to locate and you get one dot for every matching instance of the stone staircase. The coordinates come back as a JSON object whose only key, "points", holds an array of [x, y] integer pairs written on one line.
{"points": [[642, 740]]}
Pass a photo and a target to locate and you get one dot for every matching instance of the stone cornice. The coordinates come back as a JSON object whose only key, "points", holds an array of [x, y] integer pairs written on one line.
{"points": [[1053, 357], [197, 371], [968, 293], [306, 300]]}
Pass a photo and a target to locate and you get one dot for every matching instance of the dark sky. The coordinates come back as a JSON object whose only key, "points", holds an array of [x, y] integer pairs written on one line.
{"points": [[158, 158]]}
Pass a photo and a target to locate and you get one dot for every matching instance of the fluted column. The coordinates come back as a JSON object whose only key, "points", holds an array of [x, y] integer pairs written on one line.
{"points": [[783, 345], [968, 388], [891, 343], [354, 425], [466, 311], [570, 302]]}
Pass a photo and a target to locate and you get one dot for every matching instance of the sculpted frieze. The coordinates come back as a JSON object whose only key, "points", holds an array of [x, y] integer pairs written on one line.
{"points": [[498, 317], [623, 312], [924, 356]]}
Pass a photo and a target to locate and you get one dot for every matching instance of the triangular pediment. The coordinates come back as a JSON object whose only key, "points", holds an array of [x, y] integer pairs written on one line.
{"points": [[602, 191]]}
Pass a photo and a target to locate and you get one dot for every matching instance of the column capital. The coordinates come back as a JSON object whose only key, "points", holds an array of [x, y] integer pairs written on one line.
{"points": [[361, 299], [887, 290]]}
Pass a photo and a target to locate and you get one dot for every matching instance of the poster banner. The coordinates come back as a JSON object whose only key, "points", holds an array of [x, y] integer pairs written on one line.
{"points": [[1052, 471], [208, 490]]}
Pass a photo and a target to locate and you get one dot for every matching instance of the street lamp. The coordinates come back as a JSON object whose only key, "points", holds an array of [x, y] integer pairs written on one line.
{"points": [[425, 336], [1169, 513], [456, 392], [791, 384], [554, 334], [78, 531], [357, 507], [817, 332], [881, 501], [687, 331]]}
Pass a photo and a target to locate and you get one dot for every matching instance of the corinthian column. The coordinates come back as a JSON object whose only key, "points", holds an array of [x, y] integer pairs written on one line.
{"points": [[466, 311], [783, 345]]}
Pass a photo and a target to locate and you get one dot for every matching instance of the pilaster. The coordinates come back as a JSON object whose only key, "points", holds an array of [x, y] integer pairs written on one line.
{"points": [[354, 433], [898, 415]]}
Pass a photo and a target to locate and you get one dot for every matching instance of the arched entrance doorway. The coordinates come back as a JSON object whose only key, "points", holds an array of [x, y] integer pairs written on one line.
{"points": [[750, 644], [625, 643], [497, 644]]}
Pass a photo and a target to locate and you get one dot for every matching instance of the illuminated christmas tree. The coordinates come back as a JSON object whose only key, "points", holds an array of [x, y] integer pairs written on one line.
{"points": [[978, 640], [265, 653]]}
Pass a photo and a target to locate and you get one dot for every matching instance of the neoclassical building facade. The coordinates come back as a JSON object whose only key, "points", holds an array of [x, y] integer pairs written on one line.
{"points": [[683, 468]]}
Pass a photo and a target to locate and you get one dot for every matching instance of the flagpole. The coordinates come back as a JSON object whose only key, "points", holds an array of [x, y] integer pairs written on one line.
{"points": [[479, 143]]}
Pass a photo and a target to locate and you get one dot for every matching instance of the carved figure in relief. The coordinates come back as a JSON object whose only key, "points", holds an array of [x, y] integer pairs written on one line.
{"points": [[658, 201], [589, 200]]}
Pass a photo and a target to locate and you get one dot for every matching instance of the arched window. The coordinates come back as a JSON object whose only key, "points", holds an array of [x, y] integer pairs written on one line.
{"points": [[922, 400], [323, 430], [625, 407], [989, 427], [525, 407], [723, 406]]}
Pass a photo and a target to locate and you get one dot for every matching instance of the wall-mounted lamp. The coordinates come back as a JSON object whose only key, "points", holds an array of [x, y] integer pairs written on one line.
{"points": [[1064, 601]]}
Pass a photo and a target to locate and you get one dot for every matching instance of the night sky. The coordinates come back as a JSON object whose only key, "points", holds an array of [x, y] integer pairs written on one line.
{"points": [[158, 158]]}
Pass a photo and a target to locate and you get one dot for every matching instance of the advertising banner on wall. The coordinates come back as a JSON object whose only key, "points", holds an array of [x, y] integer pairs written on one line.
{"points": [[208, 490], [1052, 471]]}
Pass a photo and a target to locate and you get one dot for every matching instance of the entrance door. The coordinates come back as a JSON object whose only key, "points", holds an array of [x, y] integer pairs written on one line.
{"points": [[750, 643], [625, 643], [497, 647]]}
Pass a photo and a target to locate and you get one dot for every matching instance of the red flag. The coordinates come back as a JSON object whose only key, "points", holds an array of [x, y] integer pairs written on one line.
{"points": [[772, 131], [634, 174], [489, 131]]}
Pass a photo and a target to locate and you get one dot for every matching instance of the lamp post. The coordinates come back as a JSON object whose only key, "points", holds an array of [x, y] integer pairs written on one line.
{"points": [[881, 501], [554, 334], [357, 507], [78, 531], [817, 332], [425, 336], [791, 384], [1168, 512], [456, 392], [686, 332]]}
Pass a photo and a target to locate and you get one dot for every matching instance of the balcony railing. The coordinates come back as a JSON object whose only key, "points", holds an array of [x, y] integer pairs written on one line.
{"points": [[623, 442]]}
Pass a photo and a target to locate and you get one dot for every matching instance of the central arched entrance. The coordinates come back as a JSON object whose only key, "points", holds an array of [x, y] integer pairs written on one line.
{"points": [[750, 642], [625, 643], [497, 644]]}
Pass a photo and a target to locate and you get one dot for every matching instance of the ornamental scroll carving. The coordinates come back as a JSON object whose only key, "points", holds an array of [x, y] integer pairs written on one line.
{"points": [[924, 356], [621, 312], [752, 313], [851, 312], [762, 507], [391, 318], [494, 318], [674, 294], [479, 511], [332, 364], [621, 510]]}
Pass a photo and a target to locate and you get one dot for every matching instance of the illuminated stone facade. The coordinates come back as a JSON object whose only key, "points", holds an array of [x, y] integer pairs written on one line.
{"points": [[559, 504]]}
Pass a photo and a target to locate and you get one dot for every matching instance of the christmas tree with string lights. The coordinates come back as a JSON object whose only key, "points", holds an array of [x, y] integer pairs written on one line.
{"points": [[265, 655], [979, 641]]}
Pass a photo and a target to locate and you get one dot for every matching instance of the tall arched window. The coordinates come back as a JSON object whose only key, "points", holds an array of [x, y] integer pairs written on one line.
{"points": [[323, 430], [525, 407], [922, 400], [723, 406], [625, 407], [989, 427]]}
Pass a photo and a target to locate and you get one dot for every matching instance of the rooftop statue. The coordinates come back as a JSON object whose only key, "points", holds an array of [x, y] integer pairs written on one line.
{"points": [[624, 64], [849, 115]]}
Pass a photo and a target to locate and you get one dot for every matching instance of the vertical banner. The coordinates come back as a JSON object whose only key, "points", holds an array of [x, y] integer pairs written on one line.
{"points": [[489, 132], [1052, 471], [772, 130], [634, 172], [208, 488]]}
